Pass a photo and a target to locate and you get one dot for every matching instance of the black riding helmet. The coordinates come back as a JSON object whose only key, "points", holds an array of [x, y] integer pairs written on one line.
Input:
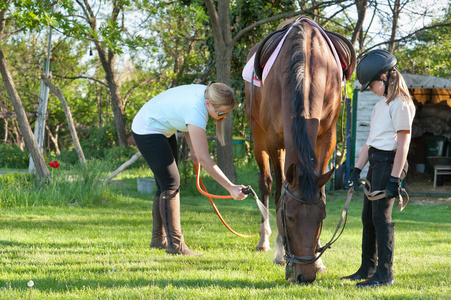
{"points": [[372, 65]]}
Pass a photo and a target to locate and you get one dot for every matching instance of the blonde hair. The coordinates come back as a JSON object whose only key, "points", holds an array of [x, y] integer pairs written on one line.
{"points": [[397, 87], [220, 94]]}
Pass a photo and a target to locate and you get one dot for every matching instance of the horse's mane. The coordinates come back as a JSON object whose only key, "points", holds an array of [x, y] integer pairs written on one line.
{"points": [[307, 158]]}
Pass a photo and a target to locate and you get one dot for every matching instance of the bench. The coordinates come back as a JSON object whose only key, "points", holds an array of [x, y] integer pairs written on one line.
{"points": [[441, 170]]}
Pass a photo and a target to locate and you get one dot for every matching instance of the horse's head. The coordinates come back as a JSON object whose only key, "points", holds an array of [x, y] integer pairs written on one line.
{"points": [[299, 221]]}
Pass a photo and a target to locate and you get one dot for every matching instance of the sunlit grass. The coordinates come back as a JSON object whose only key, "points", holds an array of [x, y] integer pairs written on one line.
{"points": [[101, 252]]}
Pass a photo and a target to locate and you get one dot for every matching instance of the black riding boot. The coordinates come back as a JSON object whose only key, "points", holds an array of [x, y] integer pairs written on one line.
{"points": [[386, 245], [369, 254]]}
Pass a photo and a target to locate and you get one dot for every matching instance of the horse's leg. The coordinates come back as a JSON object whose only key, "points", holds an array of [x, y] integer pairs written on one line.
{"points": [[264, 183], [324, 150], [278, 161]]}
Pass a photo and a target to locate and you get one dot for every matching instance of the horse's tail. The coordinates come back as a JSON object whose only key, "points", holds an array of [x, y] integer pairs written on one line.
{"points": [[301, 140]]}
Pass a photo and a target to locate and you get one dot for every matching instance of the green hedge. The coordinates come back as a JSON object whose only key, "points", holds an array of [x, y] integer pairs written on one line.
{"points": [[13, 157]]}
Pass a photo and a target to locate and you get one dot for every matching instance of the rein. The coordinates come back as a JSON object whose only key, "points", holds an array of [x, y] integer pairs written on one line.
{"points": [[292, 259], [376, 195], [204, 192]]}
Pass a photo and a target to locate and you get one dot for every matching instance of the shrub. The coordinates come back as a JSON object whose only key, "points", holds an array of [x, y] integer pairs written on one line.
{"points": [[18, 180], [97, 140], [68, 157], [117, 155], [69, 185], [11, 156]]}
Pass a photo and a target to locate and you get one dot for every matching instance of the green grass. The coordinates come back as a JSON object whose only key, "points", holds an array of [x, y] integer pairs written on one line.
{"points": [[101, 252]]}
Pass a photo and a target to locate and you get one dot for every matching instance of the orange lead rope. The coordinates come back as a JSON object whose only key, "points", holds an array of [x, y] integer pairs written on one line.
{"points": [[205, 193]]}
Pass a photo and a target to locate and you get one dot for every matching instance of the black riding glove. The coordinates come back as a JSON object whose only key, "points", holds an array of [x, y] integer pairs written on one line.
{"points": [[354, 178], [392, 188]]}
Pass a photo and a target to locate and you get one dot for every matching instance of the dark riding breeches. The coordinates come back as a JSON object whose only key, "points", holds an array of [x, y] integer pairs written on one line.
{"points": [[381, 164], [160, 154]]}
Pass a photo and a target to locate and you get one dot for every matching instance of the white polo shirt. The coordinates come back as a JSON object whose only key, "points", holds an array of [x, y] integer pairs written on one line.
{"points": [[173, 110], [387, 120]]}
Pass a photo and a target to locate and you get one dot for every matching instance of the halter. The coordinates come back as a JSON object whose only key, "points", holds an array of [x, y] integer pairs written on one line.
{"points": [[289, 257]]}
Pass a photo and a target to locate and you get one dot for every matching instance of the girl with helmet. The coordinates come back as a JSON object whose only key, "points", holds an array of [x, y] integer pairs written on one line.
{"points": [[184, 108], [386, 151]]}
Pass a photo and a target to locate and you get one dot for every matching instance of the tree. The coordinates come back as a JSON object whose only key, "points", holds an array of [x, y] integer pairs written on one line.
{"points": [[106, 37], [223, 45], [30, 141], [429, 55]]}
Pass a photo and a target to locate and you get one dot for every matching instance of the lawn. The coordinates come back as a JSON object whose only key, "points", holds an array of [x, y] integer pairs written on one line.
{"points": [[101, 252]]}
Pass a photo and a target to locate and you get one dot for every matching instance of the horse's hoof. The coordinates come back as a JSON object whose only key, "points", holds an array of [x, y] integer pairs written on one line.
{"points": [[321, 269], [263, 248], [280, 262]]}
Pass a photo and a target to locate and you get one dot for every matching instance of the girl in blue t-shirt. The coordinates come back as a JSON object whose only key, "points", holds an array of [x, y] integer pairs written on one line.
{"points": [[185, 108]]}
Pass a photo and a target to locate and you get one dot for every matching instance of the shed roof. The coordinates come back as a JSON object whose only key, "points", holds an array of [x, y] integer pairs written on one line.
{"points": [[415, 81], [426, 89]]}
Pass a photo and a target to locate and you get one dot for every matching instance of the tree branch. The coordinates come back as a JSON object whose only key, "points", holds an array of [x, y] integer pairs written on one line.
{"points": [[11, 115], [82, 77], [129, 92], [214, 19], [3, 18], [264, 21], [407, 37]]}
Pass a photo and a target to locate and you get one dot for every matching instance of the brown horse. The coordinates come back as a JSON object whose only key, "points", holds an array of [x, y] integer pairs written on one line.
{"points": [[293, 120]]}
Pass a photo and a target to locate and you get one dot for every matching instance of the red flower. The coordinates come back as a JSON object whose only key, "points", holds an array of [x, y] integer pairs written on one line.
{"points": [[54, 164]]}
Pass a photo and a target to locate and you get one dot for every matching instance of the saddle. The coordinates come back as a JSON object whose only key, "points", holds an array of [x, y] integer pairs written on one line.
{"points": [[342, 45], [266, 48], [345, 52]]}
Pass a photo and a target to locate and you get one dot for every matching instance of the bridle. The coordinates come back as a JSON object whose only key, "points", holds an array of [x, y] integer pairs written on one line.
{"points": [[289, 257]]}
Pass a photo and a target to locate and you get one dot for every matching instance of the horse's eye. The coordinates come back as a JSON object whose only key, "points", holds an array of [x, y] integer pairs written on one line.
{"points": [[290, 219]]}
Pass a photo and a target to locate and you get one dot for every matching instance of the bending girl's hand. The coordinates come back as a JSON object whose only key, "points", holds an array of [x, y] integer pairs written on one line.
{"points": [[193, 156], [237, 193]]}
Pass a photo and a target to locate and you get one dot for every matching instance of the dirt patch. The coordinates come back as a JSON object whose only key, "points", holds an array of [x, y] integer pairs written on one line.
{"points": [[420, 187]]}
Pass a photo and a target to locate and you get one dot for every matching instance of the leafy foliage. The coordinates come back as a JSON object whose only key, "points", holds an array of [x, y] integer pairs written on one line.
{"points": [[162, 44], [429, 55], [17, 180], [11, 156]]}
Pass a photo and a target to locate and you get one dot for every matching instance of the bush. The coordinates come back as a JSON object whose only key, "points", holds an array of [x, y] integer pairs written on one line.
{"points": [[11, 156], [69, 185], [98, 140], [116, 156], [18, 180], [68, 157]]}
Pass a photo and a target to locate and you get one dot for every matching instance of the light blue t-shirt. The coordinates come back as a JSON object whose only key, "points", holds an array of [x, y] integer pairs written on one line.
{"points": [[173, 110]]}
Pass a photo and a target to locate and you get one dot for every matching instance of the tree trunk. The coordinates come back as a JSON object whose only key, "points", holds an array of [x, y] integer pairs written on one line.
{"points": [[54, 138], [24, 126], [68, 114], [6, 132], [225, 153], [99, 105], [107, 58], [116, 98], [220, 21], [122, 167], [396, 10], [357, 35]]}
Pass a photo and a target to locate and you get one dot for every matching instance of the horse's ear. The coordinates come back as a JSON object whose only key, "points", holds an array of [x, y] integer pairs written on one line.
{"points": [[323, 179], [291, 173]]}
